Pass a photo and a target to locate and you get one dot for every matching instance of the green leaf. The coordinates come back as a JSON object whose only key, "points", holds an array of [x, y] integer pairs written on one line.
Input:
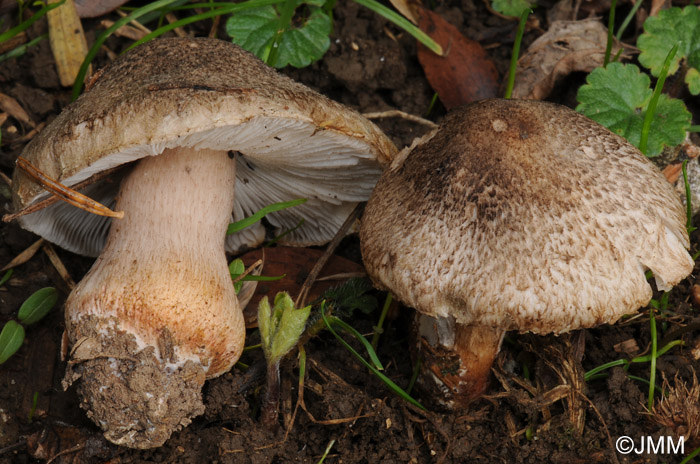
{"points": [[236, 268], [281, 326], [259, 30], [663, 31], [692, 78], [254, 30], [11, 339], [37, 305], [351, 295], [617, 97], [250, 220], [511, 7], [6, 276]]}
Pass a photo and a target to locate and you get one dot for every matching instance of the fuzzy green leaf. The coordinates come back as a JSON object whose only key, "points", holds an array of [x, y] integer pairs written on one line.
{"points": [[11, 339], [662, 32], [692, 78], [513, 8], [37, 305], [617, 97], [256, 30], [281, 326]]}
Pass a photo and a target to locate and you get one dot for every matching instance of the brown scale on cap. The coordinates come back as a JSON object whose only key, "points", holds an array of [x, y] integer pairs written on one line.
{"points": [[519, 215]]}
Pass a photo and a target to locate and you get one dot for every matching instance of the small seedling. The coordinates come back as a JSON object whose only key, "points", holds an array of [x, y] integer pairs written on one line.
{"points": [[661, 32], [236, 268], [280, 328], [31, 311]]}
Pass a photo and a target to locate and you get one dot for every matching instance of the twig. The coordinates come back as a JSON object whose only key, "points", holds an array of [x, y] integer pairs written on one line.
{"points": [[400, 114], [318, 267]]}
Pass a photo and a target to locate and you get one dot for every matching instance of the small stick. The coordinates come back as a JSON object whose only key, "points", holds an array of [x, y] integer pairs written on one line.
{"points": [[318, 267], [64, 193], [400, 114]]}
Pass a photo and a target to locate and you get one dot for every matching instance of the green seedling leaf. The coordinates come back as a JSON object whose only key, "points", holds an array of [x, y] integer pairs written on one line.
{"points": [[11, 339], [617, 97], [250, 220], [513, 8], [662, 32], [280, 326], [37, 305], [6, 277], [262, 30]]}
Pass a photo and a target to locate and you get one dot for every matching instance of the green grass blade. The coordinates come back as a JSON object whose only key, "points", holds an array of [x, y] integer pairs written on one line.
{"points": [[651, 108], [250, 220], [611, 25], [8, 34], [395, 388], [403, 23], [516, 53]]}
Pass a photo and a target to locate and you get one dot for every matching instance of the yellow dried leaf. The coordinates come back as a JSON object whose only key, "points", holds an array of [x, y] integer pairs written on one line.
{"points": [[68, 42]]}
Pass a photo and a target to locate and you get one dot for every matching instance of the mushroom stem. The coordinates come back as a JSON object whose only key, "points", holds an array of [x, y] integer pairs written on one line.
{"points": [[157, 313], [457, 359]]}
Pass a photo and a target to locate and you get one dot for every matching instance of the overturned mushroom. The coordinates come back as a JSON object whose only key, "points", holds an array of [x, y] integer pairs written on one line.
{"points": [[157, 314], [518, 215]]}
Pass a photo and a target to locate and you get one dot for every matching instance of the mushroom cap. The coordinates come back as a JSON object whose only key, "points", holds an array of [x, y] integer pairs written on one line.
{"points": [[207, 93], [524, 215]]}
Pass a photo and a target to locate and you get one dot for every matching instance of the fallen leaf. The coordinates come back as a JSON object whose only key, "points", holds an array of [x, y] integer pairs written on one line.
{"points": [[295, 264], [67, 40], [14, 109], [465, 73], [94, 8], [566, 47]]}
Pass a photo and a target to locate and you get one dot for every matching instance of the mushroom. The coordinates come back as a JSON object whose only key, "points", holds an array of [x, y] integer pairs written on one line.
{"points": [[218, 135], [517, 215]]}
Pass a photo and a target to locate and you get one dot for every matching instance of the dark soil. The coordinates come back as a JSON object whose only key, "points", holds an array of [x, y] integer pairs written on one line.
{"points": [[536, 395]]}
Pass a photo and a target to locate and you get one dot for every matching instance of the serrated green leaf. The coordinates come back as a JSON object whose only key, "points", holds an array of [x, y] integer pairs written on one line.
{"points": [[257, 30], [254, 30], [11, 339], [300, 47], [617, 97], [37, 305], [662, 32], [692, 78], [511, 7]]}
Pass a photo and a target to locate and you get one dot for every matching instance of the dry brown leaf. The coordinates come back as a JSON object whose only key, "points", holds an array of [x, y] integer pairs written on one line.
{"points": [[295, 264], [465, 74], [94, 8], [406, 8], [566, 47], [67, 40], [14, 109]]}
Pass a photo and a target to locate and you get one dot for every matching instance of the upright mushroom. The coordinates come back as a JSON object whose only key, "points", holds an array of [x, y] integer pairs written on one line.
{"points": [[157, 313], [518, 215]]}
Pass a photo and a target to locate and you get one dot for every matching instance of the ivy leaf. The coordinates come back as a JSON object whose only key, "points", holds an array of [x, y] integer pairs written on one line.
{"points": [[11, 339], [662, 32], [258, 30], [37, 305], [511, 7], [617, 97]]}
